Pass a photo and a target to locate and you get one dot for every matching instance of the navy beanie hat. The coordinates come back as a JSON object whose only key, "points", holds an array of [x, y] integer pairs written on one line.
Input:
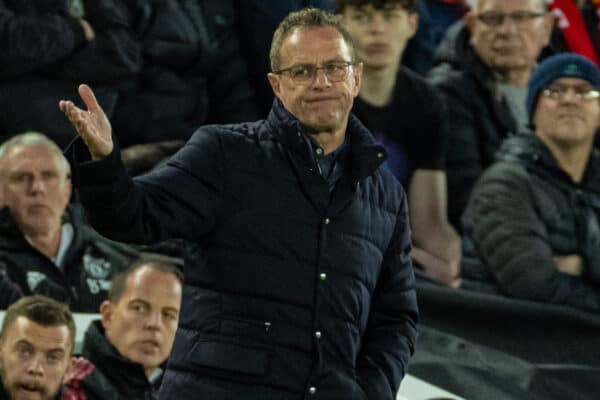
{"points": [[563, 65]]}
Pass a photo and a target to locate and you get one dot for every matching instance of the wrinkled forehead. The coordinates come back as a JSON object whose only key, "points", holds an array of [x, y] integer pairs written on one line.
{"points": [[313, 45], [41, 337], [30, 157], [570, 82], [509, 5]]}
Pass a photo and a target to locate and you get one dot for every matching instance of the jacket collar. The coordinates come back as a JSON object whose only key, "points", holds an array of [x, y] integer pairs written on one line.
{"points": [[531, 152], [111, 363], [365, 154]]}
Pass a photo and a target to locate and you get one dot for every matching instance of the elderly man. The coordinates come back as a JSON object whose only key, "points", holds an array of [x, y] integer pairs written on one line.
{"points": [[532, 226], [46, 247], [483, 69], [298, 281], [123, 352], [36, 341], [407, 116]]}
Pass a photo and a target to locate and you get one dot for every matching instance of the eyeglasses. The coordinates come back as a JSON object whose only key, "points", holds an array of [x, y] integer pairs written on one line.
{"points": [[559, 92], [336, 71], [495, 19]]}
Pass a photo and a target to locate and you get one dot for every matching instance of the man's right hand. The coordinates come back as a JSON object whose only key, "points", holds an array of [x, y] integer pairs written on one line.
{"points": [[91, 125]]}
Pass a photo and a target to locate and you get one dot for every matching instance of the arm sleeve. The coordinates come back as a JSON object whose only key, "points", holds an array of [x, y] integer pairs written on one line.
{"points": [[391, 334], [28, 43], [178, 200], [513, 242]]}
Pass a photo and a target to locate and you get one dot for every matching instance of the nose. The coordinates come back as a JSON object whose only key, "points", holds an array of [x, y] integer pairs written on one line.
{"points": [[321, 80], [154, 321], [570, 96], [508, 24], [376, 23], [37, 185], [37, 365]]}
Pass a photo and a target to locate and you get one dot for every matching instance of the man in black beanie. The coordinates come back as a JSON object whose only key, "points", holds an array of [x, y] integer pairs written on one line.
{"points": [[532, 224]]}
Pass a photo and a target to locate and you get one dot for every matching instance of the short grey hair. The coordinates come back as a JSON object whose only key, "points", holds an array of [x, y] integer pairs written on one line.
{"points": [[308, 18], [32, 138]]}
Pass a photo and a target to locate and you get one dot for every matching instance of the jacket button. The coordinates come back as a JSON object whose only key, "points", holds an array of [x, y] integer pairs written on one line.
{"points": [[379, 155], [327, 221], [318, 334], [312, 390], [322, 276]]}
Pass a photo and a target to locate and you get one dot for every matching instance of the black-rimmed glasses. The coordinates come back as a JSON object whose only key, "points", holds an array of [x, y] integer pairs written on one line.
{"points": [[496, 18], [335, 71], [559, 92]]}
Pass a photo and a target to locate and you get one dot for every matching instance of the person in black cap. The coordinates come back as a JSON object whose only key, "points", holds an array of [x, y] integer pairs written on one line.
{"points": [[532, 224]]}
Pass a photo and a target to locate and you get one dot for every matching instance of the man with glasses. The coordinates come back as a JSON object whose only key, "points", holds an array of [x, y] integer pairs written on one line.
{"points": [[298, 280], [483, 66], [532, 225]]}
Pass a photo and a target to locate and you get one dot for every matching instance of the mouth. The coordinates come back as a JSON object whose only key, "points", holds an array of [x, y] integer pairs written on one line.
{"points": [[28, 390], [321, 99], [149, 346], [378, 47]]}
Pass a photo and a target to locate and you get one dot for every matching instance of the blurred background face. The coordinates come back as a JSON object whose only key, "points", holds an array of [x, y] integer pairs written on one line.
{"points": [[142, 324], [34, 359], [513, 43], [319, 104], [380, 35], [567, 121], [35, 187]]}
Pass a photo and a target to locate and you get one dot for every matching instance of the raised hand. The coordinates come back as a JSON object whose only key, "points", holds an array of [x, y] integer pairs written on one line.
{"points": [[91, 125]]}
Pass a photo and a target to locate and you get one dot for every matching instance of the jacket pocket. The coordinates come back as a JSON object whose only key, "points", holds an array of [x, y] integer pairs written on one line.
{"points": [[230, 357]]}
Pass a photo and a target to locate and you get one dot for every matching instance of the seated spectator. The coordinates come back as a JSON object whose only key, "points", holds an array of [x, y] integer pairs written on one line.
{"points": [[47, 46], [532, 226], [46, 247], [36, 342], [123, 352], [407, 116], [482, 69]]}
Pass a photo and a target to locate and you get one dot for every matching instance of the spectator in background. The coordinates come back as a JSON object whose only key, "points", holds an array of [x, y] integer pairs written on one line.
{"points": [[123, 353], [193, 72], [298, 275], [48, 45], [36, 342], [532, 226], [407, 116], [46, 247], [483, 68]]}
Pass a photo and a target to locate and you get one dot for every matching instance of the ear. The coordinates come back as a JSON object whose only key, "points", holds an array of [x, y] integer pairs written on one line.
{"points": [[275, 82], [469, 20], [357, 71], [106, 311], [549, 21], [413, 23]]}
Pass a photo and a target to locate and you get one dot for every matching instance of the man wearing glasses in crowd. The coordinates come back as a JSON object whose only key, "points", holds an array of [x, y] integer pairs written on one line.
{"points": [[483, 66], [298, 280], [531, 226]]}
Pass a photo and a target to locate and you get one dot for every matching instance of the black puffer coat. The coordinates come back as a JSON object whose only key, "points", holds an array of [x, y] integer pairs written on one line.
{"points": [[290, 291], [525, 211], [90, 263], [478, 116]]}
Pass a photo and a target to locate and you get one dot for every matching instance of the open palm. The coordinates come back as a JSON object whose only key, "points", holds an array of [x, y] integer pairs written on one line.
{"points": [[91, 124]]}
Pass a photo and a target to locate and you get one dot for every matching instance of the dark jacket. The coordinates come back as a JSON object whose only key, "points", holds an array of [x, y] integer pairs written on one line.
{"points": [[103, 374], [479, 118], [89, 264], [288, 286], [44, 55], [525, 211], [193, 74]]}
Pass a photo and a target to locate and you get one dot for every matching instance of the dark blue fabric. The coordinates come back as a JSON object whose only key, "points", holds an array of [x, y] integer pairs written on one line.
{"points": [[272, 257]]}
